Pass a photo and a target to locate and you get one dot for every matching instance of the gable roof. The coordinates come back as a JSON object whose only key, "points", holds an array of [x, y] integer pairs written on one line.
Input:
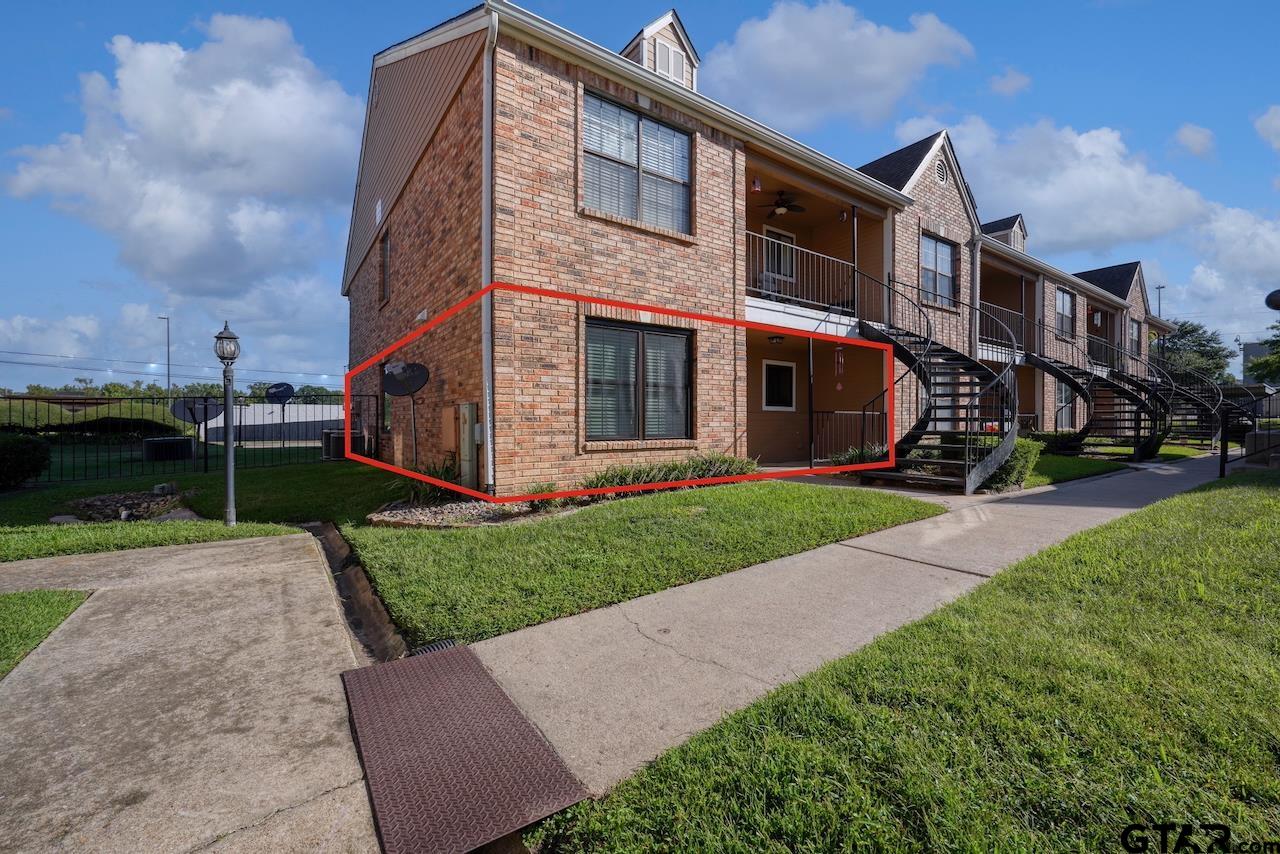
{"points": [[669, 17], [1116, 280], [999, 226], [897, 167]]}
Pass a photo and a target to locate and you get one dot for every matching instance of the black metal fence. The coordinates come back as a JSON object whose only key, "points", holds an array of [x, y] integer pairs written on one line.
{"points": [[94, 438]]}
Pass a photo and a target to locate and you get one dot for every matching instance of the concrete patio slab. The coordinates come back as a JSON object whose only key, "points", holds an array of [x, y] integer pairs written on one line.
{"points": [[613, 688], [192, 702]]}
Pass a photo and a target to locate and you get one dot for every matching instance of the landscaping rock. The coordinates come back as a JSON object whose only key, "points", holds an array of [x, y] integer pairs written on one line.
{"points": [[457, 514], [169, 488], [65, 520], [124, 506]]}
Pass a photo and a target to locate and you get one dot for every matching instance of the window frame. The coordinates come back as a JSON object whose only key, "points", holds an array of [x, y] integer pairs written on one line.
{"points": [[764, 385], [1067, 408], [672, 50], [768, 232], [1135, 338], [384, 267], [1058, 314], [640, 172], [935, 297], [642, 330]]}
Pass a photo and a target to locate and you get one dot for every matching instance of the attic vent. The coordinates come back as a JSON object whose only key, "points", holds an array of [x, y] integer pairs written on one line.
{"points": [[377, 213], [940, 169]]}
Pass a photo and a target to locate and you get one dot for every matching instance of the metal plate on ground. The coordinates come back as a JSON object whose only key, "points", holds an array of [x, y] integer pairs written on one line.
{"points": [[451, 763]]}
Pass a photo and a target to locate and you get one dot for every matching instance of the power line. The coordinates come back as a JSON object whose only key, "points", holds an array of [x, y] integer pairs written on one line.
{"points": [[176, 364]]}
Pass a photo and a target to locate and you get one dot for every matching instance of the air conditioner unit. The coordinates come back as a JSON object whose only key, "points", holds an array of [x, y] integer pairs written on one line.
{"points": [[333, 445]]}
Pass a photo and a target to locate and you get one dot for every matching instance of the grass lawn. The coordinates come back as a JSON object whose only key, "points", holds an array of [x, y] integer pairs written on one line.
{"points": [[469, 584], [1168, 452], [1131, 673], [26, 618], [1052, 468], [337, 491]]}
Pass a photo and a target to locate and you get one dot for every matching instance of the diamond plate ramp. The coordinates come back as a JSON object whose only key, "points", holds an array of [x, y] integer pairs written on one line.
{"points": [[451, 763]]}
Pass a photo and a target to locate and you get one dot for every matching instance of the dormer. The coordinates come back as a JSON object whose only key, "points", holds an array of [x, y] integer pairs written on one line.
{"points": [[1011, 231], [664, 48]]}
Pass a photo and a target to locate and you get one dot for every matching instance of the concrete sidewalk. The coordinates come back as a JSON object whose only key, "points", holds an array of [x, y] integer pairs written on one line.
{"points": [[193, 702], [614, 687]]}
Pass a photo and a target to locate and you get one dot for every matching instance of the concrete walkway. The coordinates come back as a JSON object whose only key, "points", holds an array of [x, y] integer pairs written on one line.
{"points": [[192, 703], [614, 687]]}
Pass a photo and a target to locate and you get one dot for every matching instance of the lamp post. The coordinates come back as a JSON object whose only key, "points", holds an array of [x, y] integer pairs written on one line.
{"points": [[226, 344]]}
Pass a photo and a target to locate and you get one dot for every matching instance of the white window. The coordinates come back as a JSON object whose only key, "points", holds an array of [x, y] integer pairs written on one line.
{"points": [[937, 270], [634, 167], [779, 254], [1065, 416], [669, 61], [778, 384]]}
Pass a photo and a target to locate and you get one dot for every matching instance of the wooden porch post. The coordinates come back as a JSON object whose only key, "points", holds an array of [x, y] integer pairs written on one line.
{"points": [[810, 402]]}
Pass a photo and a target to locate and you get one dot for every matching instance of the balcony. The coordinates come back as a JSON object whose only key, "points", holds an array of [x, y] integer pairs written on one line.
{"points": [[996, 323]]}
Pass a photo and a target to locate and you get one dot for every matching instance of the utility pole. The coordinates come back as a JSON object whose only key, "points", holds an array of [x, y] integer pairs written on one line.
{"points": [[1160, 299], [168, 357]]}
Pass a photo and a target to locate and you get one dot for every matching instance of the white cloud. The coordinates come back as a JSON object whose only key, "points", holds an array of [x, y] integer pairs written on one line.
{"points": [[1268, 126], [1078, 190], [1010, 83], [1195, 139], [802, 65], [213, 167], [72, 335]]}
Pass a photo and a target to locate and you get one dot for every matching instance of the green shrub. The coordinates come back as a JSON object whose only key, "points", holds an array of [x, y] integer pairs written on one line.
{"points": [[537, 505], [873, 453], [1061, 442], [420, 492], [1013, 472], [696, 467], [22, 457]]}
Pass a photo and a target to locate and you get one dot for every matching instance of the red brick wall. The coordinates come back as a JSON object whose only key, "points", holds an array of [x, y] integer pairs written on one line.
{"points": [[541, 238], [434, 229]]}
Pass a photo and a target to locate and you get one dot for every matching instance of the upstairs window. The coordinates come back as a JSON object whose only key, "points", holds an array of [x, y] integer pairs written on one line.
{"points": [[1065, 320], [638, 382], [669, 61], [384, 267], [1135, 337], [937, 270], [634, 167]]}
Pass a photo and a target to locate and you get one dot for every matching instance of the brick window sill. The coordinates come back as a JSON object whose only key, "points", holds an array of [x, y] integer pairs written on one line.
{"points": [[940, 307], [639, 445], [680, 237]]}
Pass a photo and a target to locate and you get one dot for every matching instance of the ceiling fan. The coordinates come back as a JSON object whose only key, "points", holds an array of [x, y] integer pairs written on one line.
{"points": [[783, 204]]}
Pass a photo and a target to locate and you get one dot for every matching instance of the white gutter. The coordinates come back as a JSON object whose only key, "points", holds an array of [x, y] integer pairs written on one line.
{"points": [[1007, 251], [562, 41], [486, 254]]}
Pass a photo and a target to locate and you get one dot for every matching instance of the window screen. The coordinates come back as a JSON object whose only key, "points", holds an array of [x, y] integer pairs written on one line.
{"points": [[937, 270], [637, 382], [634, 167]]}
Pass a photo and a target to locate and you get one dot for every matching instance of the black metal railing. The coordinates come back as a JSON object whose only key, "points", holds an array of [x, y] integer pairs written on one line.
{"points": [[848, 436], [783, 272], [103, 437], [995, 320], [1255, 424], [1052, 344]]}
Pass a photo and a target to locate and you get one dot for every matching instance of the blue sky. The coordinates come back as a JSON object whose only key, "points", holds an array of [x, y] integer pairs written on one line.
{"points": [[1070, 113]]}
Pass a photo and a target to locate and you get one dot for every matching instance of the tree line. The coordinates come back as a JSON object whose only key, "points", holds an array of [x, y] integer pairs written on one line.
{"points": [[86, 387]]}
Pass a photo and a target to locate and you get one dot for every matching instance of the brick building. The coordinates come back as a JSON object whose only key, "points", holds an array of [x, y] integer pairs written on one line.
{"points": [[499, 147]]}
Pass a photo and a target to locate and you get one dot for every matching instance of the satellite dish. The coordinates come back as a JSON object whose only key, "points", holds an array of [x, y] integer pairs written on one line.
{"points": [[279, 393], [401, 379], [195, 410], [1273, 300]]}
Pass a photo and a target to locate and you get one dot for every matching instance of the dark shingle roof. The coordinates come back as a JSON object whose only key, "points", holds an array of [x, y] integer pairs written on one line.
{"points": [[998, 225], [896, 168], [1114, 280]]}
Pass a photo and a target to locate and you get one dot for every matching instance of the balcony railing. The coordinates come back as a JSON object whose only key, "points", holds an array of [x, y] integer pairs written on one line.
{"points": [[995, 322], [783, 272], [1102, 353]]}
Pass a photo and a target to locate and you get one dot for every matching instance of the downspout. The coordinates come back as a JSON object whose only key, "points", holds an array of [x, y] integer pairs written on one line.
{"points": [[486, 253]]}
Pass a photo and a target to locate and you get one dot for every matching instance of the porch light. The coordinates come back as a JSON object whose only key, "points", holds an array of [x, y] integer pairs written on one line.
{"points": [[775, 339], [755, 184]]}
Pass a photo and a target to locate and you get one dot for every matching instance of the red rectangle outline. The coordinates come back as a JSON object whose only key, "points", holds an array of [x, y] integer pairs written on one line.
{"points": [[637, 487]]}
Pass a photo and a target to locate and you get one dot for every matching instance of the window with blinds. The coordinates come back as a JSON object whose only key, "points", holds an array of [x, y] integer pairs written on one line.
{"points": [[937, 271], [1066, 313], [1065, 419], [638, 382], [634, 167]]}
